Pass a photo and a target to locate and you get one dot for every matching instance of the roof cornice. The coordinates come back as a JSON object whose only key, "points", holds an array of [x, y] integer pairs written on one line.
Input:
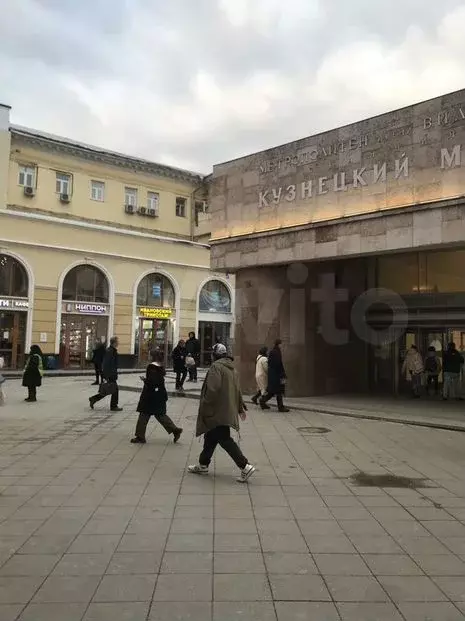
{"points": [[95, 154]]}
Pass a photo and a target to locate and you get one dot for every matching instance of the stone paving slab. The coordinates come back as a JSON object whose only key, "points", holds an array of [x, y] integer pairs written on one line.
{"points": [[93, 528]]}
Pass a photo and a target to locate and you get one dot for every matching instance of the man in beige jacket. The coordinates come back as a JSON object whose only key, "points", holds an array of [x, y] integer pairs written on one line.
{"points": [[221, 405]]}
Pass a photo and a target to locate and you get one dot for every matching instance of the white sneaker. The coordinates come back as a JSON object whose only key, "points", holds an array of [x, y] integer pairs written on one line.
{"points": [[246, 473], [198, 469]]}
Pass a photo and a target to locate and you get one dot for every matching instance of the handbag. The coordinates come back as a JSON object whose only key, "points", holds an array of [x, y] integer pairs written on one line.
{"points": [[190, 362], [107, 388]]}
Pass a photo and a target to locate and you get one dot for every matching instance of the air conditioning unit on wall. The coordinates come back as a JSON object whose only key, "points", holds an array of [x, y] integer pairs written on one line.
{"points": [[29, 190], [153, 213], [143, 211], [65, 198], [129, 209]]}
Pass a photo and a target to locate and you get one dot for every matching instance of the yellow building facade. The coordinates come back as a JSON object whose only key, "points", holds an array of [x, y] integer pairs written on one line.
{"points": [[94, 244]]}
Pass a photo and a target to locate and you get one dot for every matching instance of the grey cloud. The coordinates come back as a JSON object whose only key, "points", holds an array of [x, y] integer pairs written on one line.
{"points": [[137, 61]]}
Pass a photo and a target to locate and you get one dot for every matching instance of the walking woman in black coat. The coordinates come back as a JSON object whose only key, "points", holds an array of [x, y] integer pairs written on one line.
{"points": [[276, 378], [153, 400], [32, 376]]}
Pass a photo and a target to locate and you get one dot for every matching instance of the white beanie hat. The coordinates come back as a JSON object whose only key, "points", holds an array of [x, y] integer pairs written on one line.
{"points": [[220, 349]]}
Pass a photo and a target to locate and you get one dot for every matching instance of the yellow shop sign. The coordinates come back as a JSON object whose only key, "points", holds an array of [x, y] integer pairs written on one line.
{"points": [[155, 313]]}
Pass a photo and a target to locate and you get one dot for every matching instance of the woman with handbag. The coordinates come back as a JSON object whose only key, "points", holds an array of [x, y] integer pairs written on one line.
{"points": [[153, 401], [33, 371]]}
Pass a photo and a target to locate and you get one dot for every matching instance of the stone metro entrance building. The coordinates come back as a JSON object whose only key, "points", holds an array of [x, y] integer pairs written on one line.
{"points": [[349, 246]]}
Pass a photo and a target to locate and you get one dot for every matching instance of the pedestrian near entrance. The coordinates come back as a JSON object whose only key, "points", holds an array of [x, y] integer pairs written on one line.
{"points": [[261, 374], [33, 371], [193, 350], [221, 405], [110, 375], [153, 401], [413, 369], [98, 355], [276, 379], [452, 365], [433, 368], [179, 364]]}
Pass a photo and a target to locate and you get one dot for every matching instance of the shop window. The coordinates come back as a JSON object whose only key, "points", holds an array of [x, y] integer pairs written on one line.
{"points": [[86, 283], [156, 290], [445, 271], [399, 273], [215, 298], [13, 278]]}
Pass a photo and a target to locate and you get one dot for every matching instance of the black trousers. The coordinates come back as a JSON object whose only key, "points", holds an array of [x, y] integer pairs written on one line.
{"points": [[98, 372], [222, 436], [32, 392], [270, 395], [143, 420], [181, 377], [113, 400], [193, 373], [433, 380]]}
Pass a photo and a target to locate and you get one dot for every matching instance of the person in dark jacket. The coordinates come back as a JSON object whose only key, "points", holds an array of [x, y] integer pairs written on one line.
{"points": [[33, 371], [193, 350], [110, 375], [153, 400], [98, 355], [179, 364], [276, 378], [452, 367]]}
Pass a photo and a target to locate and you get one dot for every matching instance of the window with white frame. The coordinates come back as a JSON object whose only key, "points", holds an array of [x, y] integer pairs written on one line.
{"points": [[63, 183], [181, 207], [130, 196], [153, 201], [27, 176], [97, 191]]}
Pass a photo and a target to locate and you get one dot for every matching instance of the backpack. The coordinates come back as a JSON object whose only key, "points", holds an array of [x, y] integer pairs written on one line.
{"points": [[431, 364]]}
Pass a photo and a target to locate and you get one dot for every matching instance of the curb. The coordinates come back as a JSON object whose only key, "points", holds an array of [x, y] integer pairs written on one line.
{"points": [[319, 410]]}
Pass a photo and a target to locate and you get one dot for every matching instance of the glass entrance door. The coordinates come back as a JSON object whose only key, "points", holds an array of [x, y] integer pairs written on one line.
{"points": [[79, 335], [208, 331], [13, 338], [153, 334]]}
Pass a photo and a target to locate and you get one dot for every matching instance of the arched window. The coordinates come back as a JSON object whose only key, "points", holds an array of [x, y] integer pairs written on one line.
{"points": [[156, 290], [86, 283], [215, 298], [13, 278]]}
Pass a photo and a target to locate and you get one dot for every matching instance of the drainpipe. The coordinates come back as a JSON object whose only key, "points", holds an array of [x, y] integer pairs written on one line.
{"points": [[193, 219]]}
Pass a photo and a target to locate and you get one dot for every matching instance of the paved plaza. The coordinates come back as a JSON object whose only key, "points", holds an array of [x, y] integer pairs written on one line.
{"points": [[94, 528]]}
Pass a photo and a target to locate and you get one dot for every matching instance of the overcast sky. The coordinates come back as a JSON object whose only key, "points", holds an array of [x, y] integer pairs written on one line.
{"points": [[197, 82]]}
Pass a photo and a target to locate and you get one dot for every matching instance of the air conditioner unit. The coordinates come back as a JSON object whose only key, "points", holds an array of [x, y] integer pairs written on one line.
{"points": [[65, 198], [129, 209], [143, 211], [153, 213], [29, 190]]}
